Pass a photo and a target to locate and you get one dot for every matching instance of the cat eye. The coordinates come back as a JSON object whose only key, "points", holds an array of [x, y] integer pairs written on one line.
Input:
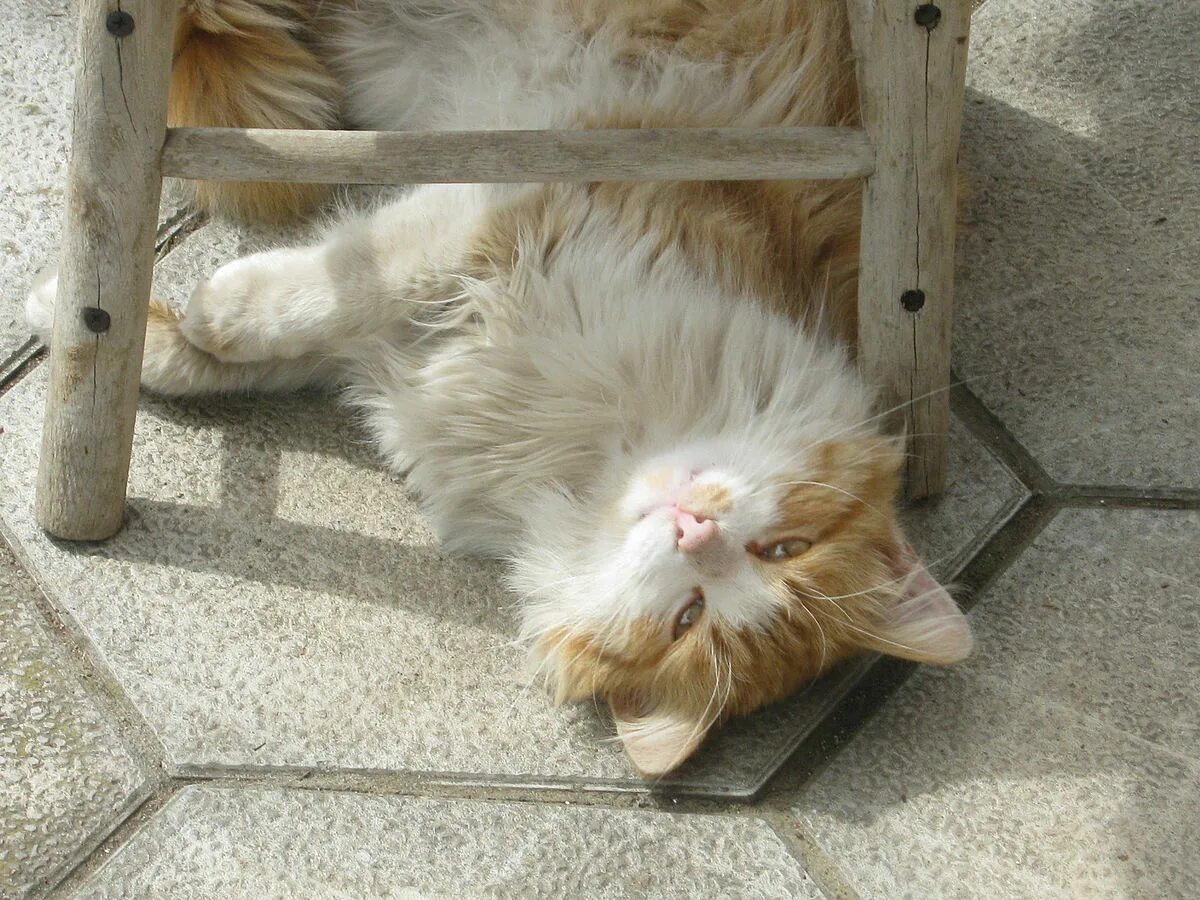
{"points": [[689, 615], [782, 550]]}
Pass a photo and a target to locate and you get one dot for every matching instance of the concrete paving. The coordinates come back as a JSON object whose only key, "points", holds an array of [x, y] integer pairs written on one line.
{"points": [[212, 842], [263, 687], [1063, 760], [66, 779], [1079, 308]]}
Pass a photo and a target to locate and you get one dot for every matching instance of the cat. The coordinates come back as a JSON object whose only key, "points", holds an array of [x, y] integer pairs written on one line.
{"points": [[641, 396]]}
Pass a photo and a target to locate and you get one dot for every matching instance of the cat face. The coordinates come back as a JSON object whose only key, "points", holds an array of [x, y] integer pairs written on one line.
{"points": [[713, 579]]}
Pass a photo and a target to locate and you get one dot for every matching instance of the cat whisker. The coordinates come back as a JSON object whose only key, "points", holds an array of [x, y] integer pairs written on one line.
{"points": [[876, 637], [859, 425], [820, 632]]}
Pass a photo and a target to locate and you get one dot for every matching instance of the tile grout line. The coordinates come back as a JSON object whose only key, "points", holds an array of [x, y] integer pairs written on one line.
{"points": [[48, 884], [131, 822], [583, 789], [416, 789], [987, 428], [996, 437], [21, 363], [17, 358], [84, 661], [1096, 496], [887, 675], [820, 866]]}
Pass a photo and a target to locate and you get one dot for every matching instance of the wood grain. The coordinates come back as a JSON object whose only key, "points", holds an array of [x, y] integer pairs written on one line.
{"points": [[619, 154], [118, 127], [911, 81]]}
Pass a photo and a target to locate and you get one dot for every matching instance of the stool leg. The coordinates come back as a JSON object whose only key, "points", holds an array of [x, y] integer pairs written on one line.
{"points": [[118, 126], [911, 64]]}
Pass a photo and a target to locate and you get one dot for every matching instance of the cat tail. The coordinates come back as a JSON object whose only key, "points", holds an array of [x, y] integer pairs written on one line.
{"points": [[247, 64], [174, 367]]}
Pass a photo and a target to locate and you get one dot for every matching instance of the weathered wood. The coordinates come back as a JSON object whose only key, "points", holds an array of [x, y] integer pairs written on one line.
{"points": [[118, 126], [410, 157], [911, 80]]}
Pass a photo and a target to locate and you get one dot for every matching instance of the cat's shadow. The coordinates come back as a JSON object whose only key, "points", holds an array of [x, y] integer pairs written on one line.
{"points": [[303, 501]]}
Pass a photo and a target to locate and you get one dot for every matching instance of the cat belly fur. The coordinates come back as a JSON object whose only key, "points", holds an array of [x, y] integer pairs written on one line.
{"points": [[577, 358]]}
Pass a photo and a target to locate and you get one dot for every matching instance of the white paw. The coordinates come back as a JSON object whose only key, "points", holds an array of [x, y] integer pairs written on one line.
{"points": [[235, 315], [39, 305]]}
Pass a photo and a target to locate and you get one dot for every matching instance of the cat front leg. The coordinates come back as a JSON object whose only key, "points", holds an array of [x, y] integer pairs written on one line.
{"points": [[271, 305], [367, 278]]}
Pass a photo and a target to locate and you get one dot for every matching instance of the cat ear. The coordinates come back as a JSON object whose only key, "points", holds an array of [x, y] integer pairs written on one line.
{"points": [[923, 623], [659, 742]]}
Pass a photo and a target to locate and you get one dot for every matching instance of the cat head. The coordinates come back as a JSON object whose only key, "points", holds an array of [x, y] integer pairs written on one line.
{"points": [[709, 580]]}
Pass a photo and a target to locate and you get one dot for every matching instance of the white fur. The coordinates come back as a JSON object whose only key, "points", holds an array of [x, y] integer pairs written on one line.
{"points": [[529, 426]]}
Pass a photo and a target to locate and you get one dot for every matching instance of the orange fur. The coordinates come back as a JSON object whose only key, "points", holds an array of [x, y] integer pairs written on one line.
{"points": [[787, 242], [245, 64], [852, 512]]}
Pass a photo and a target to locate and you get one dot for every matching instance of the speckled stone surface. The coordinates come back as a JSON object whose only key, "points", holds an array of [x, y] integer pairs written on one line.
{"points": [[65, 777], [1103, 612], [276, 600], [35, 69], [1063, 759], [980, 494], [1079, 286], [212, 842]]}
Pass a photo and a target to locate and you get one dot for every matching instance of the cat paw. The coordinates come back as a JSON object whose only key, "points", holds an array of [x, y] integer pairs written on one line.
{"points": [[39, 304], [231, 316]]}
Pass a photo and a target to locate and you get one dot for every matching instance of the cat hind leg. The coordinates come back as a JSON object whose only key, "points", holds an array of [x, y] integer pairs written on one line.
{"points": [[174, 366]]}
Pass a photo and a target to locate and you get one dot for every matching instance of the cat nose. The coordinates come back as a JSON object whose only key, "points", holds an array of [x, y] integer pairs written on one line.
{"points": [[693, 533]]}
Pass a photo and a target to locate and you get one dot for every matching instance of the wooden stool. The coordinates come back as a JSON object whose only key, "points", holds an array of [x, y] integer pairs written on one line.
{"points": [[911, 60]]}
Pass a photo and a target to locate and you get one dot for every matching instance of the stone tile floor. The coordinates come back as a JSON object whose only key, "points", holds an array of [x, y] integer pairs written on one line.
{"points": [[262, 687]]}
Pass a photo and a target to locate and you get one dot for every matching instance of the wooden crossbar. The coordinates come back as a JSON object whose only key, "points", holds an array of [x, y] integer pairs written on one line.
{"points": [[602, 154]]}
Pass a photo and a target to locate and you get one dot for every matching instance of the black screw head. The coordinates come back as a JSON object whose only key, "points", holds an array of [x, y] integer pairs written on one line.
{"points": [[913, 300], [928, 15], [119, 23], [96, 319]]}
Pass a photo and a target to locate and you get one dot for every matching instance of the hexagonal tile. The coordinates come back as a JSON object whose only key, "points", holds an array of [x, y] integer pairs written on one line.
{"points": [[1079, 310], [1061, 760], [276, 601], [65, 778], [211, 842]]}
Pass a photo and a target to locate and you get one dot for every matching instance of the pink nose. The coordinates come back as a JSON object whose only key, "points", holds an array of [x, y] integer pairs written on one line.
{"points": [[693, 533]]}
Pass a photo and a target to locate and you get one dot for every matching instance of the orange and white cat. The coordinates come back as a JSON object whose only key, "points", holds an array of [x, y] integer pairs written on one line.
{"points": [[640, 395]]}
